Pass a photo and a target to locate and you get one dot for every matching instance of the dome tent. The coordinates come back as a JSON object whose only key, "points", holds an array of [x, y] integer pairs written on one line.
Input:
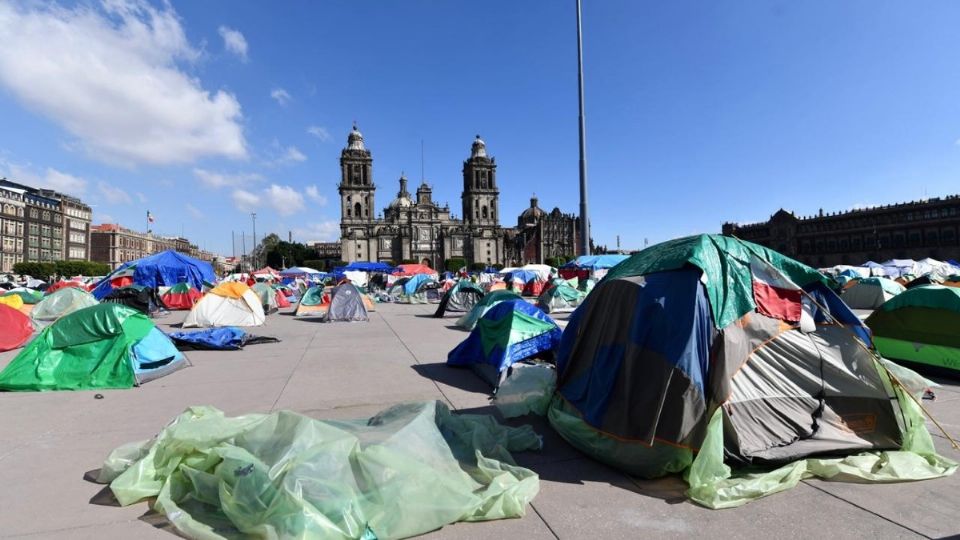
{"points": [[709, 349], [469, 320], [560, 297], [181, 296], [15, 328], [460, 298], [164, 269], [228, 304], [871, 293], [920, 326], [509, 332], [312, 303], [346, 305], [104, 346], [138, 297], [61, 303], [267, 296]]}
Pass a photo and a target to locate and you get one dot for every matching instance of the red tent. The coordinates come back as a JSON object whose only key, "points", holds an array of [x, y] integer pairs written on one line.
{"points": [[413, 269], [15, 328], [267, 272], [282, 301], [181, 296], [63, 285]]}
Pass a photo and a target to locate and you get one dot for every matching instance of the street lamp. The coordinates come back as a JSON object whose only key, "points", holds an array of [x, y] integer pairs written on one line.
{"points": [[253, 253]]}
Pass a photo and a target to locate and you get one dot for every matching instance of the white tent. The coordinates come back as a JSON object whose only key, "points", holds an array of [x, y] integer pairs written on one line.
{"points": [[231, 304]]}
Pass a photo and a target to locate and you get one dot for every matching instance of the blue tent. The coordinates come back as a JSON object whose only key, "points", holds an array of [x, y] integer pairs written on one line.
{"points": [[164, 269], [300, 271], [594, 262], [413, 284], [523, 276], [366, 266], [509, 332]]}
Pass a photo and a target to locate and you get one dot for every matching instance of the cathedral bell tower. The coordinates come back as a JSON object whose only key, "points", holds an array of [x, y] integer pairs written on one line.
{"points": [[481, 195], [356, 181]]}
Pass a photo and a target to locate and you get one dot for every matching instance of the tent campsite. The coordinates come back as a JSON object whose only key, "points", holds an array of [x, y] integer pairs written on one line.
{"points": [[871, 293], [346, 305], [62, 302], [164, 269], [560, 297], [181, 296], [460, 298], [469, 319], [15, 328]]}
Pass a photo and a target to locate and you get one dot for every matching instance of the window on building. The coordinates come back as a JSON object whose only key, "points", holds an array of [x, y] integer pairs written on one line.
{"points": [[356, 210]]}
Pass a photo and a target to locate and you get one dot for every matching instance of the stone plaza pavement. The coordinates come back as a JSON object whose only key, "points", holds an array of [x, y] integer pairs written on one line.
{"points": [[49, 441]]}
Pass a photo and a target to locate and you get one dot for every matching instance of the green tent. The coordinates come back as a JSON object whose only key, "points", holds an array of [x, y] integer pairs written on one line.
{"points": [[409, 470], [29, 296], [560, 297], [469, 320], [103, 346], [921, 325]]}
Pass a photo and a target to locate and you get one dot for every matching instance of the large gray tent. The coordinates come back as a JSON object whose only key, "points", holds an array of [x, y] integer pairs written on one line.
{"points": [[460, 298], [346, 304]]}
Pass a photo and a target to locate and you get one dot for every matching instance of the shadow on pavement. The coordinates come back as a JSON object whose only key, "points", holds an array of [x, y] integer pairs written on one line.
{"points": [[458, 377]]}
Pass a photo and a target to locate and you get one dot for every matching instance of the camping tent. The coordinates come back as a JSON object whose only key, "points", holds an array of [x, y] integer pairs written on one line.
{"points": [[138, 297], [267, 296], [164, 269], [181, 296], [64, 285], [12, 301], [587, 266], [228, 304], [920, 326], [60, 303], [29, 296], [413, 289], [509, 332], [267, 273], [365, 266], [712, 347], [346, 305], [560, 297], [469, 319], [460, 298], [281, 298], [104, 346], [15, 328], [414, 269], [313, 302], [871, 293]]}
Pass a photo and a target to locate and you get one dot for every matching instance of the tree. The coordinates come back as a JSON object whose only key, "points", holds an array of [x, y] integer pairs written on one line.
{"points": [[265, 246], [35, 269], [454, 264], [477, 267]]}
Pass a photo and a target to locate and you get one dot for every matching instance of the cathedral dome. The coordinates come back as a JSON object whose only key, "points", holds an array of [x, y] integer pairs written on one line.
{"points": [[403, 199], [534, 212], [355, 139], [479, 148]]}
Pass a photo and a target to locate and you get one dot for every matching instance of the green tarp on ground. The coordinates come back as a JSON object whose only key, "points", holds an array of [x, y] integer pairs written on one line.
{"points": [[408, 470], [84, 350]]}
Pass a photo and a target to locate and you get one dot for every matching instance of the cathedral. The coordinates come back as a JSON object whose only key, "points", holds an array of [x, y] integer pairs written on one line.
{"points": [[416, 228]]}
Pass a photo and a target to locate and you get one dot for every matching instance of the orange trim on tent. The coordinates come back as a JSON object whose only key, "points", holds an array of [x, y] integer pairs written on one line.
{"points": [[231, 289]]}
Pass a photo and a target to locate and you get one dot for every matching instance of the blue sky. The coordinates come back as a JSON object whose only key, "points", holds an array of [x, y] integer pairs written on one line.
{"points": [[697, 112]]}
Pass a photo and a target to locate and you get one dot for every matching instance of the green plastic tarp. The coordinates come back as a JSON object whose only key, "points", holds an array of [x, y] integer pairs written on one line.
{"points": [[725, 262], [927, 296], [514, 328], [313, 297], [408, 470], [84, 350]]}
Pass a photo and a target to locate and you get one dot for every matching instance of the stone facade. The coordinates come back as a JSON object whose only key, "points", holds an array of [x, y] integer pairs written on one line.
{"points": [[417, 228], [910, 230], [114, 245], [541, 235], [41, 225]]}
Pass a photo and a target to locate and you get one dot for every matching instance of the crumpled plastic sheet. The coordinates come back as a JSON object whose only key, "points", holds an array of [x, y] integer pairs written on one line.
{"points": [[406, 471], [528, 389]]}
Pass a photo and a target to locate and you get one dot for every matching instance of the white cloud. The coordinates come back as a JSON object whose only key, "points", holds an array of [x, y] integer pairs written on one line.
{"points": [[281, 96], [323, 231], [141, 197], [293, 154], [51, 179], [320, 132], [234, 42], [195, 212], [284, 199], [245, 201], [99, 218], [113, 195], [215, 180], [111, 76], [314, 194]]}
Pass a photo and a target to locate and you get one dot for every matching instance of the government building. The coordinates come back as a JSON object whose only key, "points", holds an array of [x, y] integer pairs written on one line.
{"points": [[413, 226], [910, 230]]}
